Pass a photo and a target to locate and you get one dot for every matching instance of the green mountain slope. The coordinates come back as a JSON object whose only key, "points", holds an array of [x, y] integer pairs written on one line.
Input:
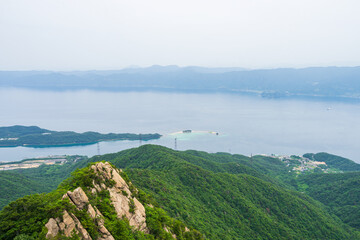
{"points": [[225, 196], [341, 192], [95, 203], [14, 186], [267, 168], [334, 161], [21, 182], [223, 205]]}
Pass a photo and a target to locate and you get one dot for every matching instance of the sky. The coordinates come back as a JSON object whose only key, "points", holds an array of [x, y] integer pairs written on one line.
{"points": [[115, 34]]}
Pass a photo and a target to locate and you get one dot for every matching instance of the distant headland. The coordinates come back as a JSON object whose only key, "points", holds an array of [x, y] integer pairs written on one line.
{"points": [[33, 136]]}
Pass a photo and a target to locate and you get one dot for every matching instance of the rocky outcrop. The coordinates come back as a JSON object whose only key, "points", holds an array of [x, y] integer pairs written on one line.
{"points": [[81, 201], [125, 204], [69, 225], [53, 228], [78, 198], [122, 199]]}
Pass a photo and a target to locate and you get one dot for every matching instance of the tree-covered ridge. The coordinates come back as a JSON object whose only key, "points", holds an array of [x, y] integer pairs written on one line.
{"points": [[340, 192], [18, 131], [29, 216], [14, 186], [226, 205], [37, 137], [334, 161], [235, 197]]}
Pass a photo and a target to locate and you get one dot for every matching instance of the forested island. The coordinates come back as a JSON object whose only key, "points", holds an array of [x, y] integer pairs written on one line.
{"points": [[33, 136]]}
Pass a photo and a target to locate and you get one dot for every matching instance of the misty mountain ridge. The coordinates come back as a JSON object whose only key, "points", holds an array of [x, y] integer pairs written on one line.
{"points": [[340, 82]]}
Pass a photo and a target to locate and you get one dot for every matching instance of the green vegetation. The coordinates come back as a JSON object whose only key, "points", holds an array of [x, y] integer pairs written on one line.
{"points": [[224, 196], [20, 182], [226, 199], [37, 137], [334, 161], [340, 192], [14, 186], [26, 217], [18, 131]]}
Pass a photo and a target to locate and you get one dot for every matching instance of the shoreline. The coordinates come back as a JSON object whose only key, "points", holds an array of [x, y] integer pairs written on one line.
{"points": [[72, 144]]}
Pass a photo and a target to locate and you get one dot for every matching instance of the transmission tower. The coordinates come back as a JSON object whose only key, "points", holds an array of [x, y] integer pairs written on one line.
{"points": [[175, 143]]}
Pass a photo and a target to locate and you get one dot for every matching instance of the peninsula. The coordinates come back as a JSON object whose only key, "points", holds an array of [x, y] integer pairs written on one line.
{"points": [[33, 136]]}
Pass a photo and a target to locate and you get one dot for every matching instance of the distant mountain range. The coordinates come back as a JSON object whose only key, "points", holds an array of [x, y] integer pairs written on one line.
{"points": [[339, 82]]}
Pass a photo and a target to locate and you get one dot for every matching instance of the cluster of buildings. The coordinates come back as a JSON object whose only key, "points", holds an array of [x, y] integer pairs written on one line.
{"points": [[301, 164]]}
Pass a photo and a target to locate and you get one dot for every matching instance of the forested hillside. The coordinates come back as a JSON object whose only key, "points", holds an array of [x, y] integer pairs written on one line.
{"points": [[339, 191], [338, 162], [97, 202], [20, 182], [228, 196], [222, 204]]}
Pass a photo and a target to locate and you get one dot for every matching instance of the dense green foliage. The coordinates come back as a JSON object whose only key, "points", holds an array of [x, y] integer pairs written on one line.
{"points": [[267, 168], [224, 196], [341, 192], [222, 202], [21, 182], [18, 131], [334, 161], [26, 217], [37, 137], [14, 186]]}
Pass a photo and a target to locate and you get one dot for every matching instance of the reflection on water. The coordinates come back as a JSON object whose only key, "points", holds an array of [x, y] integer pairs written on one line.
{"points": [[246, 125]]}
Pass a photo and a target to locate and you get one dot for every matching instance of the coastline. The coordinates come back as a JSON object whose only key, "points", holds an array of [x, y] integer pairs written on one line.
{"points": [[72, 144]]}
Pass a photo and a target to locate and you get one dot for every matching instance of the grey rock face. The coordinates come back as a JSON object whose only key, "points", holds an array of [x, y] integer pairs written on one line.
{"points": [[123, 201]]}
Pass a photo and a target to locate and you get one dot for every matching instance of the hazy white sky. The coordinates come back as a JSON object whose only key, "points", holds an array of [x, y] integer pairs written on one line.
{"points": [[113, 34]]}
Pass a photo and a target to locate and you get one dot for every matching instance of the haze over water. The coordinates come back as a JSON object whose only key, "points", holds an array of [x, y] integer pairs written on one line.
{"points": [[246, 125]]}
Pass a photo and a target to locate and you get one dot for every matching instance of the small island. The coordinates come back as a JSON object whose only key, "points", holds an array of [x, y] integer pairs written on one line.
{"points": [[33, 136]]}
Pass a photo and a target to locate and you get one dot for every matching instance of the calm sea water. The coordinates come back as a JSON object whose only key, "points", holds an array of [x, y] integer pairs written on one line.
{"points": [[246, 125]]}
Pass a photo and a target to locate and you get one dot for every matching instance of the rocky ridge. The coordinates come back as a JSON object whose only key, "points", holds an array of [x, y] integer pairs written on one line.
{"points": [[124, 203]]}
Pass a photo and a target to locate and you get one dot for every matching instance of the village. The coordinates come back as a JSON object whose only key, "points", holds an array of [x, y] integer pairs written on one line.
{"points": [[301, 164]]}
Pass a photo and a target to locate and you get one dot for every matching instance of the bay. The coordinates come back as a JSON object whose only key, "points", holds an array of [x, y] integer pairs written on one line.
{"points": [[245, 124]]}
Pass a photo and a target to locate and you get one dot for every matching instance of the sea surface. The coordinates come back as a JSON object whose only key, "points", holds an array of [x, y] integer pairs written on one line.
{"points": [[245, 124]]}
